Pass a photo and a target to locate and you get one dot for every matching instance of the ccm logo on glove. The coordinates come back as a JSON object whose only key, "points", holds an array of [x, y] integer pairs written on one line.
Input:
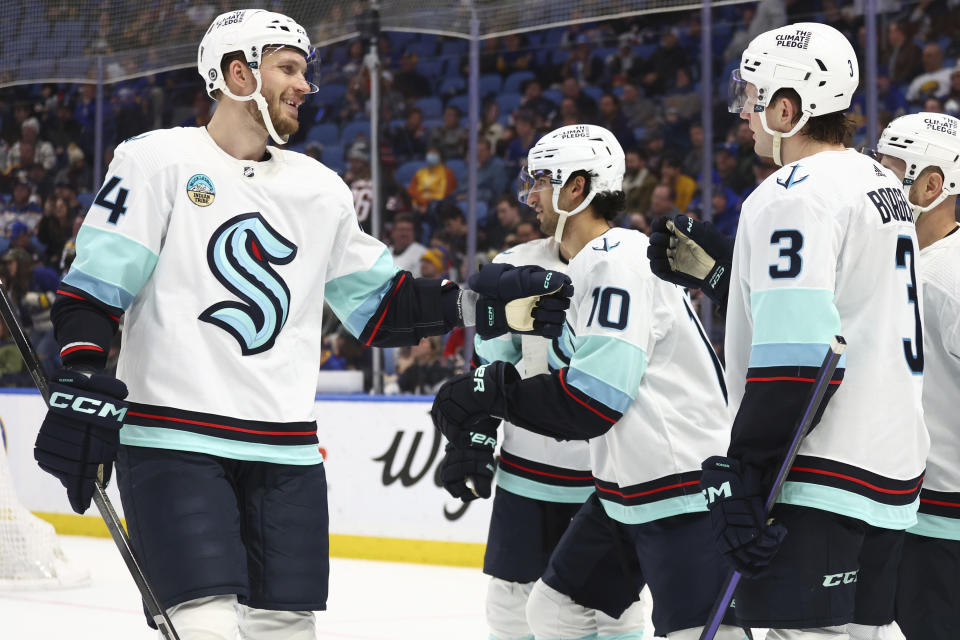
{"points": [[82, 404]]}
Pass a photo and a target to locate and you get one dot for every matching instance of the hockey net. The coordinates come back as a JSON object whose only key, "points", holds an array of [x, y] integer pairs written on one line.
{"points": [[30, 554]]}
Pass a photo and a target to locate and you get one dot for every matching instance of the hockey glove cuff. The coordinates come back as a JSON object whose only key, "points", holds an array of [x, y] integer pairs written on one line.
{"points": [[81, 431], [740, 528], [526, 299], [473, 462], [692, 254], [467, 401]]}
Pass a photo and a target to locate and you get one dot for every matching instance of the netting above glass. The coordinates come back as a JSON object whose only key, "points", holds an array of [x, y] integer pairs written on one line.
{"points": [[67, 40]]}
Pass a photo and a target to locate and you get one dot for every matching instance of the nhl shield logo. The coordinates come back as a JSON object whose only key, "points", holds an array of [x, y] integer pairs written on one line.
{"points": [[200, 190]]}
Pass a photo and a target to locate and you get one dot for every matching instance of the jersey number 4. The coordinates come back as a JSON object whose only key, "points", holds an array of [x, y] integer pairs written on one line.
{"points": [[116, 208]]}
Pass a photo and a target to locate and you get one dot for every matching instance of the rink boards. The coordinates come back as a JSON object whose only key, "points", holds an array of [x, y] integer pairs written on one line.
{"points": [[381, 453]]}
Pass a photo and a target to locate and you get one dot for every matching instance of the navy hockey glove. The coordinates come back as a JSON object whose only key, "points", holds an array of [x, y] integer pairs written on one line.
{"points": [[470, 458], [526, 299], [81, 431], [465, 402], [692, 254], [736, 515]]}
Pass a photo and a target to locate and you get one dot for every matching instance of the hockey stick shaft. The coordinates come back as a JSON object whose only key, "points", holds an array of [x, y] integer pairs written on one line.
{"points": [[104, 505], [817, 394]]}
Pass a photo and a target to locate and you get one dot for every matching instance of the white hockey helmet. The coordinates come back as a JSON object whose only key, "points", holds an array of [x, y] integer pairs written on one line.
{"points": [[815, 60], [558, 154], [924, 140], [252, 32]]}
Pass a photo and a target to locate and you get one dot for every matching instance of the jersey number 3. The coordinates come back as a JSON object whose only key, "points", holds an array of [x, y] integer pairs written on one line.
{"points": [[912, 347]]}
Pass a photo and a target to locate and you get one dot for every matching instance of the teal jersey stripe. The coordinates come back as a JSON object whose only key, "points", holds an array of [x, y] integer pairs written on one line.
{"points": [[109, 266], [638, 514], [355, 297], [506, 347], [633, 635], [607, 369], [493, 637], [850, 504], [790, 316], [159, 438], [541, 491], [936, 527], [592, 636], [790, 355]]}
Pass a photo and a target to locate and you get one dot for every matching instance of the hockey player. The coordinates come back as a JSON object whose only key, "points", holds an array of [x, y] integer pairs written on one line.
{"points": [[219, 252], [631, 354], [825, 245], [923, 150], [541, 483]]}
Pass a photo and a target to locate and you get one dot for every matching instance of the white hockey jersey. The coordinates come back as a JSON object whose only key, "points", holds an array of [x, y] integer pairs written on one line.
{"points": [[222, 267], [532, 465], [827, 246], [939, 272], [633, 343]]}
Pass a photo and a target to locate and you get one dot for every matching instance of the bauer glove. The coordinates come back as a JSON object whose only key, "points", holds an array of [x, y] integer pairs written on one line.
{"points": [[81, 431], [466, 470], [740, 527], [526, 299], [692, 254]]}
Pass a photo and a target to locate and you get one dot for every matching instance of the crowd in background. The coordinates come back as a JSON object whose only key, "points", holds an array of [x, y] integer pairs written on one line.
{"points": [[638, 77]]}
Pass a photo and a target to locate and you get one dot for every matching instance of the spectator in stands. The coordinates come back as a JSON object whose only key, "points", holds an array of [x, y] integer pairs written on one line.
{"points": [[354, 101], [490, 127], [639, 111], [455, 228], [903, 56], [620, 64], [612, 118], [638, 181], [432, 264], [654, 146], [63, 129], [359, 180], [451, 136], [202, 110], [515, 56], [951, 102], [933, 105], [408, 81], [662, 202], [491, 174], [726, 166], [567, 115], [54, 229], [935, 80], [314, 150], [683, 95], [522, 143], [767, 15], [78, 174], [502, 224], [432, 182], [657, 73], [41, 180], [526, 231], [354, 63], [582, 65], [671, 174], [13, 126], [763, 168], [20, 238], [42, 150], [585, 104], [23, 207], [85, 114], [639, 222], [409, 141], [423, 370], [693, 161], [534, 101], [406, 251]]}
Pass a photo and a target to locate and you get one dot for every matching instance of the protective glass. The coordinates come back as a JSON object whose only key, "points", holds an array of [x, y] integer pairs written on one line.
{"points": [[533, 182], [741, 95], [310, 73]]}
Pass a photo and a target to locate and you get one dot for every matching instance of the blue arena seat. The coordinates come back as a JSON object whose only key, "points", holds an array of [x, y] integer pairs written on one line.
{"points": [[430, 107], [404, 173], [324, 133], [515, 80]]}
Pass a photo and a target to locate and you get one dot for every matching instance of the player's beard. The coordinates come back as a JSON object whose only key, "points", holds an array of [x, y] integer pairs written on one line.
{"points": [[284, 124], [548, 222]]}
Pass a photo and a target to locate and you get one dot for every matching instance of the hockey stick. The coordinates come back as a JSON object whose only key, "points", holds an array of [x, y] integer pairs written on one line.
{"points": [[107, 512], [821, 384]]}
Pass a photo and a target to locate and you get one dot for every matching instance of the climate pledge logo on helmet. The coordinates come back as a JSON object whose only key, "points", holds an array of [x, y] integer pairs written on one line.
{"points": [[943, 125], [798, 40], [230, 18]]}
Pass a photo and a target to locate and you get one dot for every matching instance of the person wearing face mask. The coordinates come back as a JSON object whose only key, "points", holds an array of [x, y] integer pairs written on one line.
{"points": [[432, 182], [922, 149]]}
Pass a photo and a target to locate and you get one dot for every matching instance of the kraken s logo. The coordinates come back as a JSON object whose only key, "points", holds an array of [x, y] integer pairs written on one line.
{"points": [[240, 254]]}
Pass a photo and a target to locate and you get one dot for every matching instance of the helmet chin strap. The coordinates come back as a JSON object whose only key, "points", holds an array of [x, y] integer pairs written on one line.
{"points": [[917, 209], [778, 136], [562, 222], [261, 103]]}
